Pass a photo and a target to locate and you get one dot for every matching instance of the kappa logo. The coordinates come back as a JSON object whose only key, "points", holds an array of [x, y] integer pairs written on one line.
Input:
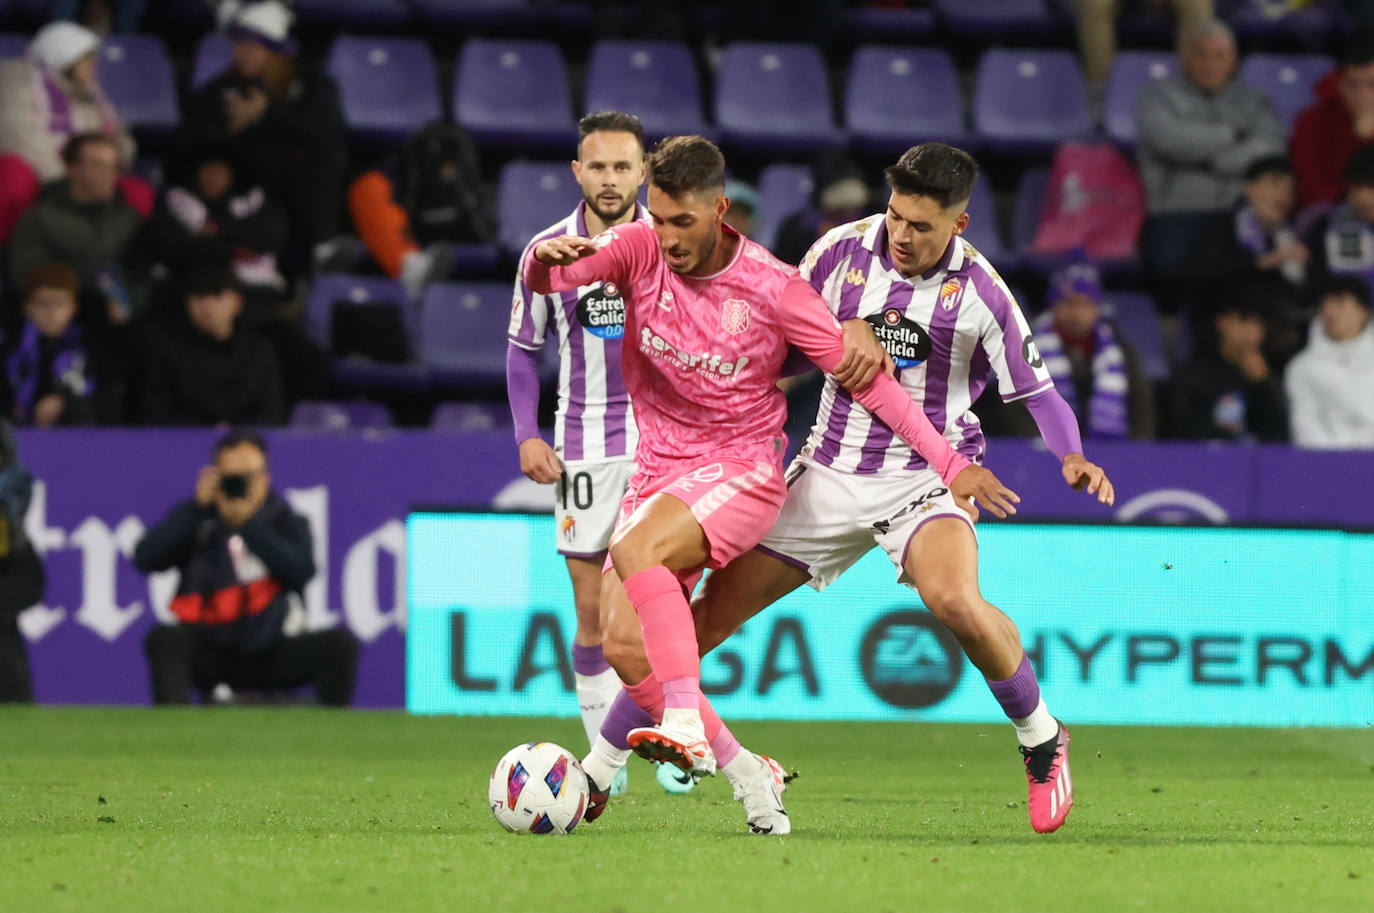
{"points": [[734, 316], [950, 292], [855, 277]]}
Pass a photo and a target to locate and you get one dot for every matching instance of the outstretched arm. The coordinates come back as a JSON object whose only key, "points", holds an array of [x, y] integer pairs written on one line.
{"points": [[1059, 427], [566, 262]]}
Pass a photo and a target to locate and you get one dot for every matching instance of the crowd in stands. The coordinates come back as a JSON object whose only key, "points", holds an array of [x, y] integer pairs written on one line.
{"points": [[1206, 277]]}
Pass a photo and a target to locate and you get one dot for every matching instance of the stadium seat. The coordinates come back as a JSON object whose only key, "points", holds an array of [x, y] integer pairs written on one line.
{"points": [[514, 93], [774, 97], [1288, 79], [13, 45], [356, 373], [1131, 72], [314, 415], [1309, 28], [1137, 316], [346, 14], [468, 417], [783, 189], [984, 232], [998, 19], [213, 56], [530, 198], [387, 86], [1027, 101], [1030, 198], [136, 74], [505, 17], [657, 80], [463, 333], [874, 23], [897, 96]]}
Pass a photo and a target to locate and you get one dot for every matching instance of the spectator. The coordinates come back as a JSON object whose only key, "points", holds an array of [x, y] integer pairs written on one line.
{"points": [[57, 374], [744, 207], [1229, 392], [81, 221], [22, 580], [216, 214], [102, 16], [1199, 130], [1330, 384], [1342, 242], [1340, 121], [213, 369], [46, 98], [839, 195], [1097, 32], [279, 120], [1094, 368], [244, 557]]}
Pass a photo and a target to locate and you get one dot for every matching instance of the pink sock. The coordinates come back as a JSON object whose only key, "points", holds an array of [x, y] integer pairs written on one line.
{"points": [[648, 694], [670, 637], [723, 742]]}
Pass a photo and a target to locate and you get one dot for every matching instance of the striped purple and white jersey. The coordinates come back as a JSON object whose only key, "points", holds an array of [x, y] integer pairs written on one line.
{"points": [[948, 330], [594, 419]]}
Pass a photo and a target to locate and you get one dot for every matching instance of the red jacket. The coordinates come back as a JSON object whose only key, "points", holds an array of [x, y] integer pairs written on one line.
{"points": [[1323, 141]]}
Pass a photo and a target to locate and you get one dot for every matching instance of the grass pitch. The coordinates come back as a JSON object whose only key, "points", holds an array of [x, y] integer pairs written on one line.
{"points": [[298, 809]]}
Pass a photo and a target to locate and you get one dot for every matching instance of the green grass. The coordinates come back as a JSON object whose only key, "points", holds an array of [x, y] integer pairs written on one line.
{"points": [[297, 809]]}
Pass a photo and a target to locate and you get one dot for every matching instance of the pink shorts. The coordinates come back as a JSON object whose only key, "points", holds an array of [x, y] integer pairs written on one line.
{"points": [[735, 501]]}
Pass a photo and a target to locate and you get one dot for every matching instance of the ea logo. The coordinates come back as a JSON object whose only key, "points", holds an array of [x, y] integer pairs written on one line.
{"points": [[892, 317], [909, 659]]}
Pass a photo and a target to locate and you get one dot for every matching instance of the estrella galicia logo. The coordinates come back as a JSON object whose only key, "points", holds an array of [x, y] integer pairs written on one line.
{"points": [[909, 659], [602, 311], [905, 340]]}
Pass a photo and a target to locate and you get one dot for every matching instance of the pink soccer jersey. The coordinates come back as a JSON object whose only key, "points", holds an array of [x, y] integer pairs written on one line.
{"points": [[703, 354]]}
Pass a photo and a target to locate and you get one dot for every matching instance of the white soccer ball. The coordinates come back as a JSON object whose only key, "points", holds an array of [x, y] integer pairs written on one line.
{"points": [[538, 787]]}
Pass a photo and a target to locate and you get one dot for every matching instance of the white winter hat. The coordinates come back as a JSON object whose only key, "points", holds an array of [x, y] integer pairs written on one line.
{"points": [[268, 22], [58, 45]]}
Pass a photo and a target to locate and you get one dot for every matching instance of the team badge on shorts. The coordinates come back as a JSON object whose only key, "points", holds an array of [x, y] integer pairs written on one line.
{"points": [[569, 528], [734, 317]]}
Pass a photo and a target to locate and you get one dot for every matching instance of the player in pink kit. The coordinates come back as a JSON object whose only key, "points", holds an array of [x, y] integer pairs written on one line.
{"points": [[710, 316]]}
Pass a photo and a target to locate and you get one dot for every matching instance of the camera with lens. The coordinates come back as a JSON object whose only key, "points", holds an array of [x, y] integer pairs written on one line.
{"points": [[234, 485]]}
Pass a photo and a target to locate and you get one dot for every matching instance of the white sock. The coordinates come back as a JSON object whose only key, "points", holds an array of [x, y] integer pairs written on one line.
{"points": [[683, 718], [603, 761], [1037, 728], [595, 693], [741, 765]]}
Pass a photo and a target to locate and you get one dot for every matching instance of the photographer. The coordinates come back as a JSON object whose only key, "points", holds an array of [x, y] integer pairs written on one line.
{"points": [[244, 558], [21, 572]]}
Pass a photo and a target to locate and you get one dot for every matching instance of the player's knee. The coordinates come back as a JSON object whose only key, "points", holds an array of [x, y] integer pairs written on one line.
{"points": [[957, 609], [624, 654]]}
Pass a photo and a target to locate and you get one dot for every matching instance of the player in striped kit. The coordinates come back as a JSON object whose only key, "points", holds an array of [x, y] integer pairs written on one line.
{"points": [[594, 434], [946, 318]]}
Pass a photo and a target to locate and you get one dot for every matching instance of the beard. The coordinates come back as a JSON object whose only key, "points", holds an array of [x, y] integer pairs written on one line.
{"points": [[612, 215]]}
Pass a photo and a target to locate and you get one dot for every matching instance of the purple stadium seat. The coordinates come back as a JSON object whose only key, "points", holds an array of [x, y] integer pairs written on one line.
{"points": [[353, 13], [896, 97], [1028, 101], [388, 86], [1287, 79], [463, 333], [514, 93], [1131, 72], [783, 189], [1004, 19], [881, 24], [1136, 314], [531, 197], [774, 97], [984, 232], [314, 415], [469, 417], [213, 56], [13, 45], [331, 288], [1030, 199], [656, 80], [136, 74]]}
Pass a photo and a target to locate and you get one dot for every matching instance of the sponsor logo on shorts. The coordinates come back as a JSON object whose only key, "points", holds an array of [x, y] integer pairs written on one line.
{"points": [[904, 339], [706, 475], [922, 504], [909, 659], [601, 311]]}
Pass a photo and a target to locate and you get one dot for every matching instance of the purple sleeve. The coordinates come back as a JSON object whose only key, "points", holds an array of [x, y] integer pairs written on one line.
{"points": [[1056, 421], [522, 388]]}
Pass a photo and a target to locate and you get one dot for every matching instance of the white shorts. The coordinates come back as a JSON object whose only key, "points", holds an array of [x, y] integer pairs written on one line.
{"points": [[586, 501], [830, 518]]}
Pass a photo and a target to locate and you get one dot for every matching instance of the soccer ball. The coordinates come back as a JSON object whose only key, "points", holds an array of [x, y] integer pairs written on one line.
{"points": [[538, 787]]}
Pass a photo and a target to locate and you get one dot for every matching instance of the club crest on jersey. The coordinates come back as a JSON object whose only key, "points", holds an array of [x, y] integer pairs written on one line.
{"points": [[734, 316], [904, 339], [950, 293], [601, 311]]}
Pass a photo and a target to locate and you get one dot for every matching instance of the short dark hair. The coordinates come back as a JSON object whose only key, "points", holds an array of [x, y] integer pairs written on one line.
{"points": [[1358, 48], [210, 276], [935, 170], [609, 122], [51, 275], [686, 164], [1344, 285], [1359, 168], [237, 437], [71, 150], [1269, 165]]}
